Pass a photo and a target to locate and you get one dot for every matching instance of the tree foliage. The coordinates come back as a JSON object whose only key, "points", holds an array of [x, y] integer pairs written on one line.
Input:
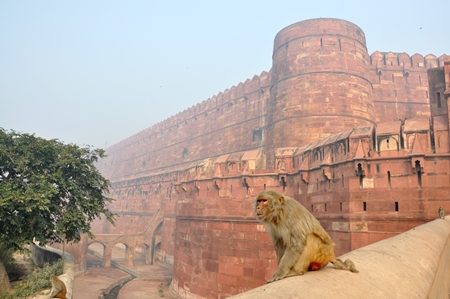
{"points": [[49, 191]]}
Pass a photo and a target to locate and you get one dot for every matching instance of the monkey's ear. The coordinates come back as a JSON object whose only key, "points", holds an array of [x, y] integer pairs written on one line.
{"points": [[281, 199]]}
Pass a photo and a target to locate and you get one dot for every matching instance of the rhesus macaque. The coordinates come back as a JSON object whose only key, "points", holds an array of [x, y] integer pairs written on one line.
{"points": [[301, 243], [347, 265], [441, 213], [58, 288]]}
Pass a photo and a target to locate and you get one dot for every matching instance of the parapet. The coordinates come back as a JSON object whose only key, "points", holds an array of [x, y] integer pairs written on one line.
{"points": [[414, 264]]}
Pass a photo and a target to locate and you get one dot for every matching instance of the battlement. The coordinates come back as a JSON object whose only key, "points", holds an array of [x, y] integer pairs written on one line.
{"points": [[387, 59], [212, 105]]}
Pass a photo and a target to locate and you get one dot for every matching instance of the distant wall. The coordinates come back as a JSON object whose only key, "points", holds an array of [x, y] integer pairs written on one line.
{"points": [[226, 123], [415, 264], [322, 82], [400, 84]]}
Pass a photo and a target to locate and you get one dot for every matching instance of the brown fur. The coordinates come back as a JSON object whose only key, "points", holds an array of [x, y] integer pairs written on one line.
{"points": [[58, 288], [300, 241]]}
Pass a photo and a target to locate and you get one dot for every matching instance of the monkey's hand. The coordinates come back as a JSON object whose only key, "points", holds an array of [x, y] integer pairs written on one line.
{"points": [[287, 261], [275, 277], [281, 273]]}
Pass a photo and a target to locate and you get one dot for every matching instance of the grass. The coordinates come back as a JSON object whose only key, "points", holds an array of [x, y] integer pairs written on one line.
{"points": [[38, 280]]}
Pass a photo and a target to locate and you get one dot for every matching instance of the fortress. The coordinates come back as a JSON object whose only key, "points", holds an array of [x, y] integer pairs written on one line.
{"points": [[360, 140]]}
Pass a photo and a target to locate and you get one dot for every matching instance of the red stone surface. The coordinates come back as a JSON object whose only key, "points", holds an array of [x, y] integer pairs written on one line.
{"points": [[360, 140]]}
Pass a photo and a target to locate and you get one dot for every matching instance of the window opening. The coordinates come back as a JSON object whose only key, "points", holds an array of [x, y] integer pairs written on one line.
{"points": [[419, 174], [389, 179]]}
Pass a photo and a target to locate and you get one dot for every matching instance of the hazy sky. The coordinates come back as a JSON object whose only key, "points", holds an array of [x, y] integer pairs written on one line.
{"points": [[97, 72]]}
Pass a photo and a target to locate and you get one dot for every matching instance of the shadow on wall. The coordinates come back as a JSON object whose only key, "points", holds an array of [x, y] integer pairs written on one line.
{"points": [[414, 264], [42, 255]]}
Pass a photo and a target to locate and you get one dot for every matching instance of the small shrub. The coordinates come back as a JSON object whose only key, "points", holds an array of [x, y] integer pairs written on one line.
{"points": [[36, 281]]}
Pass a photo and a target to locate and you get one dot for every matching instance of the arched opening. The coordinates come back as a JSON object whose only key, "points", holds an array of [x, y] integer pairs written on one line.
{"points": [[158, 256], [389, 179], [418, 170], [142, 254], [155, 254], [118, 254], [95, 255], [360, 173], [257, 135]]}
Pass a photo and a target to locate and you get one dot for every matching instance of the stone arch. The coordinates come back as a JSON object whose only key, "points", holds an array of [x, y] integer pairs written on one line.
{"points": [[158, 254], [96, 251], [156, 239], [143, 253], [387, 143], [122, 253]]}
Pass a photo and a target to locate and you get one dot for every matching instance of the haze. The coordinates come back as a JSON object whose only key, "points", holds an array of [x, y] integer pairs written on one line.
{"points": [[97, 72]]}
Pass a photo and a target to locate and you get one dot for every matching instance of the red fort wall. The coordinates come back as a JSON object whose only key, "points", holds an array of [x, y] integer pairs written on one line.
{"points": [[225, 123], [400, 84], [359, 140]]}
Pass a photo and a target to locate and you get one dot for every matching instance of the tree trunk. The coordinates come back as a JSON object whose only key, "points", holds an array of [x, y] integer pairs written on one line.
{"points": [[4, 279]]}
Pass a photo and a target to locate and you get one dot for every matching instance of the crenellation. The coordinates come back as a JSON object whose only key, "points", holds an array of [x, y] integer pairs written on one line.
{"points": [[377, 59], [443, 60], [431, 61], [417, 60]]}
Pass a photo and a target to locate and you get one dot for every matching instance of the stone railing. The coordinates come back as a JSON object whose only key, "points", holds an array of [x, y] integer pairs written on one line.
{"points": [[414, 264]]}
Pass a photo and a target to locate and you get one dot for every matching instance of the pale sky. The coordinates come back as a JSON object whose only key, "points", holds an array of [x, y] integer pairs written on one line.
{"points": [[97, 72]]}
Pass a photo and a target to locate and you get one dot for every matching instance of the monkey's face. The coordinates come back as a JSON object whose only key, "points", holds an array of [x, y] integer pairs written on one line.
{"points": [[267, 205], [261, 207]]}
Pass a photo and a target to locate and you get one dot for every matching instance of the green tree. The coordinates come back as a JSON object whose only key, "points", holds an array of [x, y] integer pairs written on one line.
{"points": [[49, 191]]}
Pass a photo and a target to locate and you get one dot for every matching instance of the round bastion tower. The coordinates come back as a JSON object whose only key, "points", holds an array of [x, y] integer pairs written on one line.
{"points": [[320, 83]]}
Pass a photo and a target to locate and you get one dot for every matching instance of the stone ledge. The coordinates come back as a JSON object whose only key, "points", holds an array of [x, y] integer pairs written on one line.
{"points": [[414, 264]]}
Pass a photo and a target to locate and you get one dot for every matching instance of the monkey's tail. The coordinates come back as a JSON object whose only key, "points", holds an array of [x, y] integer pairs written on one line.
{"points": [[351, 266], [347, 265]]}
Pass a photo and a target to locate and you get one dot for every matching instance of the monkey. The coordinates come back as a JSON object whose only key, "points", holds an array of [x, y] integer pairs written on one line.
{"points": [[347, 265], [58, 288], [441, 212], [301, 244]]}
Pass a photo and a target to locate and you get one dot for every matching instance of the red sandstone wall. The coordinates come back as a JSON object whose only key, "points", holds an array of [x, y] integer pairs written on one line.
{"points": [[220, 250], [400, 84], [136, 203], [209, 231], [223, 124], [320, 83]]}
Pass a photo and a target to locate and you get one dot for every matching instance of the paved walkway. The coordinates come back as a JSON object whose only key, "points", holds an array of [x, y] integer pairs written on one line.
{"points": [[153, 283], [94, 281]]}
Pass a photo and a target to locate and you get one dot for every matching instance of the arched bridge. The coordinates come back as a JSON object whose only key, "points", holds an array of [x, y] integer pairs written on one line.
{"points": [[148, 238]]}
